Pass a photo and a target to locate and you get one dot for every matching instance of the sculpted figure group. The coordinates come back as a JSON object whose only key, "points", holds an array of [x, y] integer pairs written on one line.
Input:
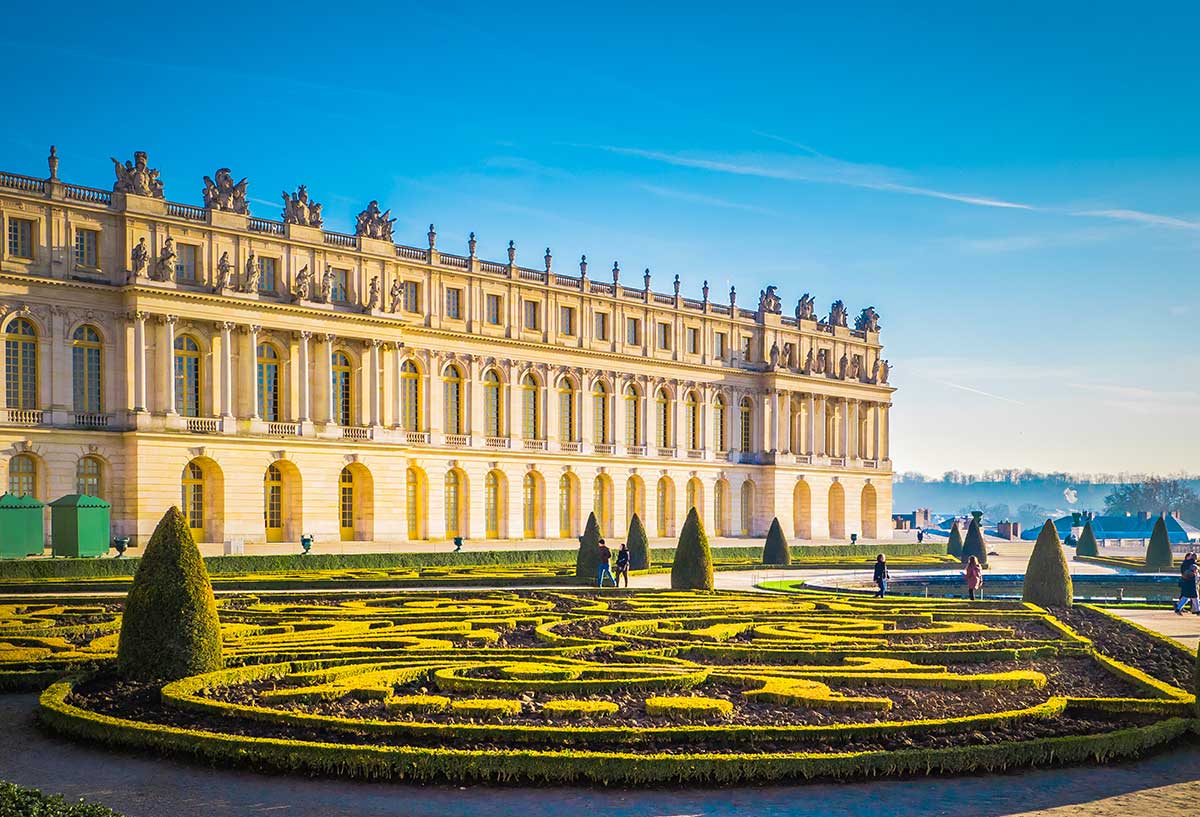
{"points": [[374, 223], [297, 209], [137, 178], [225, 194]]}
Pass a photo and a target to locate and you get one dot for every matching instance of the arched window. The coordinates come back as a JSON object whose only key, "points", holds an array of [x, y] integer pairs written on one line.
{"points": [[493, 405], [491, 505], [720, 501], [692, 491], [21, 365], [453, 408], [566, 507], [746, 427], [87, 477], [193, 499], [600, 413], [187, 376], [453, 504], [346, 504], [343, 389], [273, 503], [410, 396], [747, 508], [566, 410], [665, 501], [633, 416], [721, 418], [634, 500], [662, 419], [86, 375], [268, 383], [415, 504], [532, 504], [22, 475], [531, 416], [601, 505], [691, 408]]}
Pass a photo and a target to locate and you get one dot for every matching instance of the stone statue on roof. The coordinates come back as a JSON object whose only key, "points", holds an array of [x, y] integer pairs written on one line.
{"points": [[136, 177], [374, 223], [297, 209], [837, 314], [769, 301], [867, 320], [223, 193], [806, 309]]}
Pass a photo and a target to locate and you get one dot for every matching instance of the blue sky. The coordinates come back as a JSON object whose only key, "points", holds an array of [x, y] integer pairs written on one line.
{"points": [[1016, 190]]}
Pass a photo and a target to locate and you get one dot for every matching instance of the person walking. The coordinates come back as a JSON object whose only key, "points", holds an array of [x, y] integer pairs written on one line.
{"points": [[920, 535], [974, 574], [881, 575], [623, 564], [1187, 585], [603, 568]]}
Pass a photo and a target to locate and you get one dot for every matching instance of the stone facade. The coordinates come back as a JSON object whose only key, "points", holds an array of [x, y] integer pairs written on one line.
{"points": [[282, 379]]}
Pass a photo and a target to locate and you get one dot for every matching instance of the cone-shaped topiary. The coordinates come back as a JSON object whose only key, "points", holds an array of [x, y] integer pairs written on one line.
{"points": [[587, 560], [1087, 545], [954, 544], [169, 628], [973, 544], [775, 551], [1158, 553], [693, 567], [1047, 578], [639, 545]]}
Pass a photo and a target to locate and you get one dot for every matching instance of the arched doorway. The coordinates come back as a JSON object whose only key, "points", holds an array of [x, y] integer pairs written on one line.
{"points": [[202, 499], [870, 525], [283, 506], [837, 511], [802, 510], [635, 500], [533, 499], [747, 508], [695, 496], [273, 503], [666, 507], [602, 501], [356, 503], [568, 506], [415, 494], [495, 505], [721, 508]]}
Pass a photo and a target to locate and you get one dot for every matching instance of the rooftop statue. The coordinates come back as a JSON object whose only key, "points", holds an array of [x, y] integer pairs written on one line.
{"points": [[373, 294], [837, 314], [297, 209], [251, 274], [810, 363], [373, 223], [867, 320], [166, 261], [303, 289], [139, 257], [396, 294], [769, 302], [137, 178], [885, 369], [224, 194], [224, 272], [806, 309]]}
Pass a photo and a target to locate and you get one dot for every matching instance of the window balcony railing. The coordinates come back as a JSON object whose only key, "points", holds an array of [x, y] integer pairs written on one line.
{"points": [[571, 446], [24, 417], [804, 459], [605, 448], [415, 437], [356, 433], [496, 442], [91, 419], [202, 425], [635, 450], [666, 453], [870, 463], [457, 440], [695, 454], [283, 429], [839, 462], [533, 445]]}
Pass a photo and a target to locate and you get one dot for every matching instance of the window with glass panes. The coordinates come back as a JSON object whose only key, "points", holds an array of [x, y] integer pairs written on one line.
{"points": [[20, 238], [491, 505], [412, 296], [454, 304], [566, 411], [414, 499], [187, 376], [692, 416], [346, 503], [268, 280], [493, 403], [22, 475], [186, 266], [721, 423], [693, 340], [87, 244], [85, 369], [193, 496], [747, 424], [633, 416], [21, 365], [529, 488], [600, 502], [601, 326], [719, 345], [664, 507], [600, 414], [566, 504], [492, 309], [566, 320], [342, 389], [633, 331], [410, 396], [662, 419], [87, 476], [452, 407], [340, 291], [268, 383], [532, 312], [272, 498], [531, 426], [747, 508], [664, 336], [747, 348], [453, 503]]}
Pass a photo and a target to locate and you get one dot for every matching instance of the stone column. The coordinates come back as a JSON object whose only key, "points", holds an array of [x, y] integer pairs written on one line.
{"points": [[303, 378], [878, 419], [587, 416], [473, 405], [61, 398], [887, 431], [249, 372], [375, 385], [139, 362], [323, 393], [225, 374], [167, 364], [844, 432], [397, 354], [513, 422], [810, 444]]}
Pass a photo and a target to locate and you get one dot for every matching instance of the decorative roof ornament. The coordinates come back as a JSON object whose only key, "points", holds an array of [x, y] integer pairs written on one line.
{"points": [[137, 178], [374, 223], [806, 309], [676, 285], [837, 314], [471, 244], [298, 209], [548, 258], [52, 161], [432, 236], [704, 289], [616, 273], [512, 252], [769, 302], [867, 320], [732, 297], [583, 266], [224, 194], [646, 279]]}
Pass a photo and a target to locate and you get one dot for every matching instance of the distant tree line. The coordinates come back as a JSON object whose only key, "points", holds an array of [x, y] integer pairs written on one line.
{"points": [[1015, 476], [1156, 495]]}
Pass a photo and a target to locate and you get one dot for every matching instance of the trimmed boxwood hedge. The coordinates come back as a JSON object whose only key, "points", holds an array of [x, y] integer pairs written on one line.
{"points": [[1047, 578], [19, 802], [775, 550]]}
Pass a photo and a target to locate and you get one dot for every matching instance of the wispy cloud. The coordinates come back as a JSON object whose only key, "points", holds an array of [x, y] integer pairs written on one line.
{"points": [[1141, 218], [1037, 241], [700, 198], [980, 392]]}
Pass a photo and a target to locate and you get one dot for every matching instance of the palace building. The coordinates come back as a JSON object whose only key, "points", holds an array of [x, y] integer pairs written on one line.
{"points": [[279, 379]]}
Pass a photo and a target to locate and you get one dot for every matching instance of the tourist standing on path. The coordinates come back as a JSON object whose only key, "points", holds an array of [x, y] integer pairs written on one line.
{"points": [[881, 575], [603, 569], [1187, 585], [974, 574], [920, 535], [623, 564]]}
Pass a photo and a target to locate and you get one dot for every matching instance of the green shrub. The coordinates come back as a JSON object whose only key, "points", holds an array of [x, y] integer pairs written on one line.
{"points": [[775, 551], [1158, 552], [572, 710], [973, 544], [688, 709], [954, 545], [693, 567], [18, 802], [485, 707], [1087, 545], [420, 704], [1047, 578], [639, 545], [169, 628], [587, 559]]}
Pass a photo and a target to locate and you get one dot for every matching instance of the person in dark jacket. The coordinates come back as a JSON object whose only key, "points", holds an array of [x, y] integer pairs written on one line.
{"points": [[881, 575], [623, 564], [602, 571], [1187, 585]]}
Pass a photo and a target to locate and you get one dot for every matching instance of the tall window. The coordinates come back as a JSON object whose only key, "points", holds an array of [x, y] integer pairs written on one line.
{"points": [[453, 408], [410, 397], [532, 314], [747, 508], [664, 507], [633, 331], [268, 383], [340, 291], [193, 498], [187, 376], [664, 336], [87, 477], [633, 499], [721, 418], [85, 369], [414, 502], [86, 246], [529, 490], [566, 320], [492, 309], [600, 503], [662, 419], [343, 389], [566, 507], [719, 345], [268, 279], [601, 326], [531, 424], [746, 424], [692, 495], [493, 414], [21, 365], [186, 266], [491, 505], [454, 304], [600, 413], [692, 418], [453, 504], [412, 296], [346, 504], [566, 410], [720, 498], [633, 416], [22, 475], [273, 504], [20, 238], [693, 340]]}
